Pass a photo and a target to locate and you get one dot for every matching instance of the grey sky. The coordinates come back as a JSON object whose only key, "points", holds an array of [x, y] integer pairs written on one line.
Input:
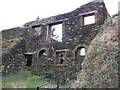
{"points": [[17, 12]]}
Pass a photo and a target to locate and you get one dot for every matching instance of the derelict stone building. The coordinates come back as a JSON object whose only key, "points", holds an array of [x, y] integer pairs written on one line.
{"points": [[41, 50]]}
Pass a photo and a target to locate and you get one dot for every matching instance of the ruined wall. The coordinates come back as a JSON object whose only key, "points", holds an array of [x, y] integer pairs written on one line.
{"points": [[73, 32], [13, 46], [14, 33], [14, 59], [44, 51], [75, 35]]}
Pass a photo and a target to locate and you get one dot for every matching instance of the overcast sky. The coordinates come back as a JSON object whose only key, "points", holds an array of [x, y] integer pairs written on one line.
{"points": [[15, 13]]}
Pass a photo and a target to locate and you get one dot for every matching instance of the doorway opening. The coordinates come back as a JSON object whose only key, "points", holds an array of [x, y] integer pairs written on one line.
{"points": [[42, 56], [29, 59]]}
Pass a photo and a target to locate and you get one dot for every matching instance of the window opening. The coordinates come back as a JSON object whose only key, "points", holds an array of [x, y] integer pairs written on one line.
{"points": [[42, 57], [60, 57], [89, 19], [42, 53], [56, 32], [82, 52], [37, 30], [29, 59]]}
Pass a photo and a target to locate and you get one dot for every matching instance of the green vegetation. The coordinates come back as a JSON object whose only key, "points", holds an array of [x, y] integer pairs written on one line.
{"points": [[100, 67], [8, 44], [29, 80]]}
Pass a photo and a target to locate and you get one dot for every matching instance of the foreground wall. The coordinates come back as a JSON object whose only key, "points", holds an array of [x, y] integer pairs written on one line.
{"points": [[76, 35], [41, 53]]}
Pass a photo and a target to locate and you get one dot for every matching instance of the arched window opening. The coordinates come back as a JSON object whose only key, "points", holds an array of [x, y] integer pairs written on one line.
{"points": [[82, 52], [42, 56], [42, 53], [80, 56]]}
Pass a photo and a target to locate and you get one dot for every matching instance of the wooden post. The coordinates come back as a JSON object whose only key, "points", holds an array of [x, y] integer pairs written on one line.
{"points": [[57, 83]]}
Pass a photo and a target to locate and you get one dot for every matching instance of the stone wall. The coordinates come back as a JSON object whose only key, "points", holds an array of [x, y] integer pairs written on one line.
{"points": [[42, 52], [13, 46], [14, 33], [75, 36], [14, 59]]}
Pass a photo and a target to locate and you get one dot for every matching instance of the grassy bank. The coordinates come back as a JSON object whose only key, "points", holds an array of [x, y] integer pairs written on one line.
{"points": [[29, 80]]}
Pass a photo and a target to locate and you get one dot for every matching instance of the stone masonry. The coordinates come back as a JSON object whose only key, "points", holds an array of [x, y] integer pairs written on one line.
{"points": [[39, 52]]}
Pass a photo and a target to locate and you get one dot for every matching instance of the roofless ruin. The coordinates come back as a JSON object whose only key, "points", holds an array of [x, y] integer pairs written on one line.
{"points": [[40, 49]]}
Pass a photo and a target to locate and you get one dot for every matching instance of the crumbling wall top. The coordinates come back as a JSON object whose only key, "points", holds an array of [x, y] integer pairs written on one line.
{"points": [[91, 6]]}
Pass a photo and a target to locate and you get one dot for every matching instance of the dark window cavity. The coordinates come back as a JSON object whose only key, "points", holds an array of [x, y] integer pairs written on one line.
{"points": [[29, 59], [42, 53], [60, 57]]}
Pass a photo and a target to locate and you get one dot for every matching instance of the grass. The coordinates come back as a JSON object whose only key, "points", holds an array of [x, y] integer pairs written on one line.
{"points": [[27, 81]]}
